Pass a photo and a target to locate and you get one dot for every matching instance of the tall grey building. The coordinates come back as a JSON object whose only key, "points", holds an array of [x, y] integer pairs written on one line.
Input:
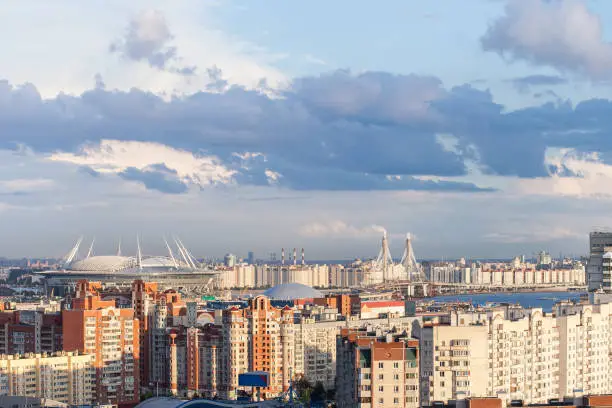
{"points": [[597, 275]]}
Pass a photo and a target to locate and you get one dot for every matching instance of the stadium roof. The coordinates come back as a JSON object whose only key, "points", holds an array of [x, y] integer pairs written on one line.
{"points": [[292, 291]]}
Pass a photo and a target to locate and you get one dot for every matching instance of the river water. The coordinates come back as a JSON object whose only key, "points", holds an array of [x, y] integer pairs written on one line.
{"points": [[545, 300]]}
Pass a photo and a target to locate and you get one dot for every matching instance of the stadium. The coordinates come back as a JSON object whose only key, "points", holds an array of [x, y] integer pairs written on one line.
{"points": [[179, 269]]}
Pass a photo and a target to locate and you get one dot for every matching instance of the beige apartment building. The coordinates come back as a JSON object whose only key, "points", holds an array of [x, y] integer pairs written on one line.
{"points": [[65, 377], [377, 370]]}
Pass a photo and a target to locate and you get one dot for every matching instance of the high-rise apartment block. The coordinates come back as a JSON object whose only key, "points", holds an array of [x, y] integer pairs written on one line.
{"points": [[30, 331], [377, 370], [598, 274], [111, 334], [69, 378]]}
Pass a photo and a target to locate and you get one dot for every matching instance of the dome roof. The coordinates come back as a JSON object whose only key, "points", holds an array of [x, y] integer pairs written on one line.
{"points": [[292, 291], [607, 255], [106, 263], [158, 262]]}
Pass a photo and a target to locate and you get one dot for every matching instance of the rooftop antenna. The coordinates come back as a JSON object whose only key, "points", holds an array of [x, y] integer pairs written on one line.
{"points": [[170, 252], [90, 252], [139, 253]]}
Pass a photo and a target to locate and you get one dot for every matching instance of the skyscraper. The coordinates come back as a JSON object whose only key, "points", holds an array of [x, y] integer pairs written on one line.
{"points": [[96, 326], [599, 244]]}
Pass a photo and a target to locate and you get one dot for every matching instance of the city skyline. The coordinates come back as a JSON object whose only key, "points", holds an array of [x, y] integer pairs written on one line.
{"points": [[246, 126]]}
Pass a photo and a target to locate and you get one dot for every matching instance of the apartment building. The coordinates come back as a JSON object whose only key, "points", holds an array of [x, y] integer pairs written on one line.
{"points": [[600, 243], [96, 326], [451, 359], [65, 377], [518, 354], [377, 370], [272, 275], [585, 332], [157, 312], [267, 338], [30, 331]]}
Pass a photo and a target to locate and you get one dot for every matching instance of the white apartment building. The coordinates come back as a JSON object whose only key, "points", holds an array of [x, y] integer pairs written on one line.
{"points": [[65, 377], [251, 276], [518, 354]]}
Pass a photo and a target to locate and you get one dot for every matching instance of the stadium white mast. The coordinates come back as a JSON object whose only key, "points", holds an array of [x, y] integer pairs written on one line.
{"points": [[183, 253], [119, 248], [90, 252], [192, 259], [73, 252], [170, 252], [414, 271]]}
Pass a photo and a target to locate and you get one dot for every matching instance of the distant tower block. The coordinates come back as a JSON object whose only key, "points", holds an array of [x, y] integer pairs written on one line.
{"points": [[384, 260], [414, 271]]}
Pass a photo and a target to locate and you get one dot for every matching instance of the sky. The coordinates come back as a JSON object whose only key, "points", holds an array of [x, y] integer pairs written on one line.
{"points": [[482, 127]]}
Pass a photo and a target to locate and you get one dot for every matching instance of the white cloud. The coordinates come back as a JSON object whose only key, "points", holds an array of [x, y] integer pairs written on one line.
{"points": [[148, 38], [115, 156], [272, 176], [560, 33], [588, 176], [72, 61], [26, 185], [534, 235], [338, 228]]}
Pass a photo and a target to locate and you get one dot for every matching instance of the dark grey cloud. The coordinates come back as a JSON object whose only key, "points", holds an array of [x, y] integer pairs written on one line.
{"points": [[147, 38], [157, 177], [524, 84], [338, 131]]}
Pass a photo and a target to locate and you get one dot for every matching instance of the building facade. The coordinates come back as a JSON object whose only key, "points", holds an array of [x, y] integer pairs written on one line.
{"points": [[111, 334], [65, 377], [599, 244], [377, 370], [518, 354]]}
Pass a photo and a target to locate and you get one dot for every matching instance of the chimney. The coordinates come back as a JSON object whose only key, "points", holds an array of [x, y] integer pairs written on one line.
{"points": [[294, 256], [303, 259], [282, 256]]}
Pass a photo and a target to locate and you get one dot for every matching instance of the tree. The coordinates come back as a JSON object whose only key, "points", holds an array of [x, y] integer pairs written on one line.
{"points": [[318, 393], [146, 396]]}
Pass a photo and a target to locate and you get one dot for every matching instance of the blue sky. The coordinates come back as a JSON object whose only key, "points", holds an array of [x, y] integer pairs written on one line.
{"points": [[480, 126]]}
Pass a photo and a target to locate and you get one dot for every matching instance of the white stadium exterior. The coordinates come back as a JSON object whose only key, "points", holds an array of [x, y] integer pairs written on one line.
{"points": [[178, 269]]}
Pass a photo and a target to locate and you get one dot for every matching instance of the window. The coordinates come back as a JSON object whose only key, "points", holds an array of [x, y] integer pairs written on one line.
{"points": [[381, 376], [395, 365], [381, 388], [381, 365]]}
